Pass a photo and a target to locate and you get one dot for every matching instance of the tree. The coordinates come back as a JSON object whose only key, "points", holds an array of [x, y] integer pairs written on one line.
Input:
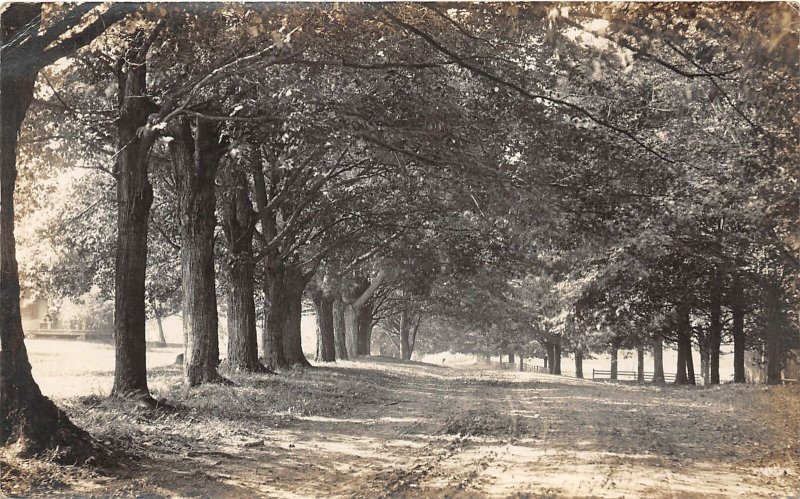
{"points": [[26, 416], [238, 222], [196, 150]]}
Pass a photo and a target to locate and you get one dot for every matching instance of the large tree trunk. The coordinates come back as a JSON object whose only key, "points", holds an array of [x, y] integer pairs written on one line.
{"points": [[690, 359], [134, 198], [364, 330], [276, 315], [715, 330], [684, 345], [351, 315], [772, 348], [680, 369], [405, 330], [238, 225], [195, 160], [511, 359], [705, 357], [640, 364], [614, 359], [26, 416], [579, 363], [557, 355], [339, 329], [737, 331], [658, 361], [549, 360], [358, 315], [294, 285], [326, 340]]}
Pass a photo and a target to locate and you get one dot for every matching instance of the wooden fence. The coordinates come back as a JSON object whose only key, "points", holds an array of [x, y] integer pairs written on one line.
{"points": [[80, 334], [601, 374]]}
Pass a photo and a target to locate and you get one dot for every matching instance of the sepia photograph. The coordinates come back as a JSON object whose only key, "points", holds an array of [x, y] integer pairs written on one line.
{"points": [[399, 250]]}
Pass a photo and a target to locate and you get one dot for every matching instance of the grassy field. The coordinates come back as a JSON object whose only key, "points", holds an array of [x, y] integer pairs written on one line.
{"points": [[382, 428]]}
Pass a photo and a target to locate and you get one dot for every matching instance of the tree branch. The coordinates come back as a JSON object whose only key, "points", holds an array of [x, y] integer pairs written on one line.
{"points": [[519, 89]]}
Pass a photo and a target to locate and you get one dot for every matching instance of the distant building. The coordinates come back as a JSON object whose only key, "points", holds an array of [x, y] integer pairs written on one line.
{"points": [[40, 319]]}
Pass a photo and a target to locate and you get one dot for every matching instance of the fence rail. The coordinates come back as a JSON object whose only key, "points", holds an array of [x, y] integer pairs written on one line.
{"points": [[600, 374], [80, 334]]}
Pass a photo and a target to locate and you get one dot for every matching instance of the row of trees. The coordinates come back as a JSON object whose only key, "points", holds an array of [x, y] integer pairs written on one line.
{"points": [[485, 178]]}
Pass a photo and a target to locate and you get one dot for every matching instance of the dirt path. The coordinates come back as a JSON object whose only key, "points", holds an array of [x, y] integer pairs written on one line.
{"points": [[436, 432]]}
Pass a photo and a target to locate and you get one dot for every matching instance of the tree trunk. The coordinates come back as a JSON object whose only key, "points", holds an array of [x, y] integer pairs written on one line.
{"points": [[614, 359], [772, 348], [705, 357], [358, 315], [326, 341], [511, 359], [715, 330], [134, 198], [294, 285], [737, 311], [364, 330], [521, 364], [195, 160], [684, 345], [277, 313], [680, 369], [405, 329], [161, 338], [238, 227], [658, 361], [550, 356], [557, 356], [339, 330], [26, 416], [640, 364], [690, 360], [579, 363], [351, 315]]}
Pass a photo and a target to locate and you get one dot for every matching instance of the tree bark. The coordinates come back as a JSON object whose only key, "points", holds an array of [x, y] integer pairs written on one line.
{"points": [[640, 364], [511, 359], [579, 363], [557, 356], [277, 313], [658, 361], [684, 346], [772, 348], [715, 330], [521, 364], [339, 330], [405, 329], [364, 330], [690, 359], [549, 360], [27, 418], [195, 160], [134, 198], [614, 359], [294, 285], [351, 329], [326, 340], [737, 311], [238, 226], [358, 322]]}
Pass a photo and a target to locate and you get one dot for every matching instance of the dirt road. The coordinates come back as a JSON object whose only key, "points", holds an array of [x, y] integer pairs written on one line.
{"points": [[388, 429]]}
